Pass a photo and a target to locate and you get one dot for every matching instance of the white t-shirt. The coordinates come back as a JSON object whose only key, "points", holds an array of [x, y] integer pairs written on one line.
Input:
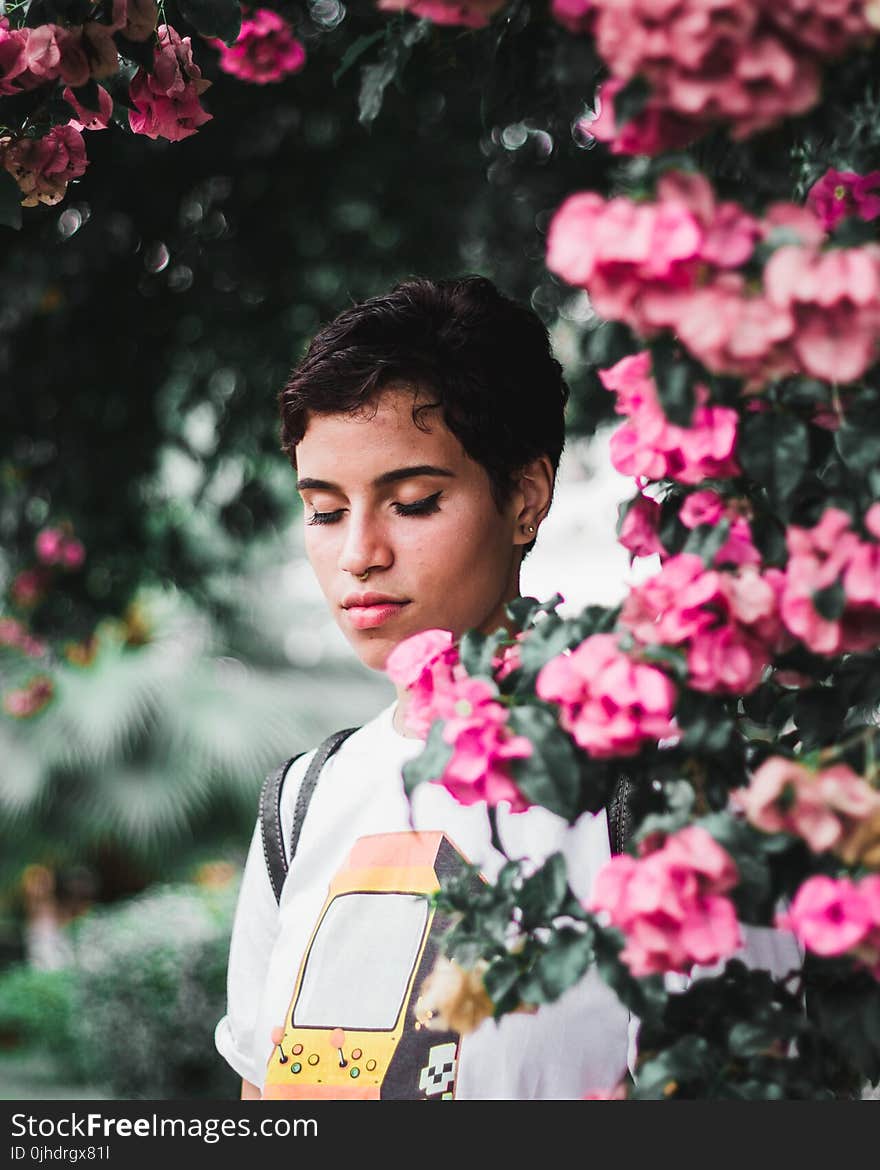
{"points": [[576, 1045], [572, 1046]]}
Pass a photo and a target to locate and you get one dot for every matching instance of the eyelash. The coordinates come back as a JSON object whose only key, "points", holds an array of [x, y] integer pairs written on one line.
{"points": [[419, 508]]}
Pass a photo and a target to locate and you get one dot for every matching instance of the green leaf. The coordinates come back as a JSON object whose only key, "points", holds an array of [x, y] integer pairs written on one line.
{"points": [[355, 51], [88, 95], [707, 540], [830, 602], [524, 610], [213, 18], [674, 376], [478, 651], [568, 955], [549, 776], [431, 763], [773, 450], [705, 721], [858, 443], [500, 978], [10, 201], [376, 78], [630, 101], [543, 893]]}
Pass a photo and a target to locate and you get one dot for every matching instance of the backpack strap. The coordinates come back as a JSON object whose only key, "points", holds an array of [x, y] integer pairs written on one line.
{"points": [[270, 808], [619, 812]]}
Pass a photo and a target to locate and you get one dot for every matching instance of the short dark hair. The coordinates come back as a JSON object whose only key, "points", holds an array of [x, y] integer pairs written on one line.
{"points": [[484, 357]]}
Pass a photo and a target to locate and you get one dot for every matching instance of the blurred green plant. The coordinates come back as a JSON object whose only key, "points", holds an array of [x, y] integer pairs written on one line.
{"points": [[150, 987], [37, 1010]]}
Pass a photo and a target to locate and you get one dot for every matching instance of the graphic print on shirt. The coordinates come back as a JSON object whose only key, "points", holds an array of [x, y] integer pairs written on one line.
{"points": [[351, 1030]]}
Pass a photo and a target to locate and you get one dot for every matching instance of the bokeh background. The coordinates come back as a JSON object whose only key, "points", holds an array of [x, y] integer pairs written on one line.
{"points": [[146, 325]]}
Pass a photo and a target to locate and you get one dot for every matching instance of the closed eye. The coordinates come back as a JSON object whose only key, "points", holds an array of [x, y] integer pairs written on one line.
{"points": [[420, 507]]}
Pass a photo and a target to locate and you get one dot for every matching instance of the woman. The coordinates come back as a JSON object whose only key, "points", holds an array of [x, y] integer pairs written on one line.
{"points": [[425, 428]]}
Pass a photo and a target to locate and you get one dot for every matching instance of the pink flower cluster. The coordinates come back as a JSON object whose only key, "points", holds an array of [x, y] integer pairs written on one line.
{"points": [[670, 903], [31, 57], [838, 916], [821, 807], [839, 194], [639, 529], [14, 634], [650, 447], [726, 621], [470, 13], [265, 49], [707, 507], [831, 554], [745, 63], [610, 703], [55, 546], [166, 99], [29, 700], [43, 167], [475, 723], [29, 586], [674, 264]]}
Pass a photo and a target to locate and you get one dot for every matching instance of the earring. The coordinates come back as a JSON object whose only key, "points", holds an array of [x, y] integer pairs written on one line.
{"points": [[528, 528]]}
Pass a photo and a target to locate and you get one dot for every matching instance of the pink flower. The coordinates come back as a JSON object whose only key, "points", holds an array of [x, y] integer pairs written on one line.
{"points": [[87, 119], [651, 447], [707, 507], [73, 554], [265, 49], [135, 19], [826, 27], [29, 587], [43, 167], [470, 13], [13, 633], [13, 57], [49, 544], [725, 620], [669, 904], [639, 529], [575, 15], [819, 807], [29, 700], [834, 297], [609, 703], [841, 193], [653, 130], [823, 557], [166, 100], [483, 748], [830, 916], [426, 664]]}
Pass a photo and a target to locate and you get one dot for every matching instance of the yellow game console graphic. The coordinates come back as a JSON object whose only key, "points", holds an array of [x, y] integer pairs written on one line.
{"points": [[351, 1030]]}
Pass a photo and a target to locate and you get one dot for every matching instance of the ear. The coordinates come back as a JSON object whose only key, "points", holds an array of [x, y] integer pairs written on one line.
{"points": [[534, 493]]}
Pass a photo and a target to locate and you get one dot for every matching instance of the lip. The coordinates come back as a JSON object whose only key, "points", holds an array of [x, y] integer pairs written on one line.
{"points": [[365, 611]]}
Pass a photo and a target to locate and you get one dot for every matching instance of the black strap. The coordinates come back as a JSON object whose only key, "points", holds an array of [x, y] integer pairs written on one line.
{"points": [[270, 808], [619, 810]]}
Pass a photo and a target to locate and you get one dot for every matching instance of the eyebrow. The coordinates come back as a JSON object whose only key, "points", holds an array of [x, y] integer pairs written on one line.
{"points": [[385, 478]]}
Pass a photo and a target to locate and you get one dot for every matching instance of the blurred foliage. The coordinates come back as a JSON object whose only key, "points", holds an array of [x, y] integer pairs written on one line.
{"points": [[37, 1008], [150, 987]]}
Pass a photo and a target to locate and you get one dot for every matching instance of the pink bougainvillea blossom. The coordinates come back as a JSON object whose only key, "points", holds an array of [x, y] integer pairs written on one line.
{"points": [[43, 167], [639, 533], [475, 723], [87, 119], [841, 193], [829, 556], [13, 633], [30, 699], [56, 546], [827, 27], [706, 507], [653, 130], [726, 620], [838, 916], [470, 13], [821, 807], [610, 703], [575, 15], [834, 299], [166, 99], [265, 50], [649, 446], [670, 903]]}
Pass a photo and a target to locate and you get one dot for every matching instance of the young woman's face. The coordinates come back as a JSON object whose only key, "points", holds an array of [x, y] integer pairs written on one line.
{"points": [[410, 506]]}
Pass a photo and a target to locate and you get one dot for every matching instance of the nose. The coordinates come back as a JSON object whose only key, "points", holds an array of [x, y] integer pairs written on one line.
{"points": [[366, 545]]}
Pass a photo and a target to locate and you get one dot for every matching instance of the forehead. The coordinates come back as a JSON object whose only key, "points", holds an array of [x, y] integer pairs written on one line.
{"points": [[382, 434]]}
